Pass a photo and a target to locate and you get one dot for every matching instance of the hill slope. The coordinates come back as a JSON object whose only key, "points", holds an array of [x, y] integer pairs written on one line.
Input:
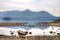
{"points": [[27, 15]]}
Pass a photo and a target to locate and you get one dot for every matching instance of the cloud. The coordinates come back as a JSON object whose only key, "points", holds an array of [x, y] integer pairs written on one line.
{"points": [[34, 5]]}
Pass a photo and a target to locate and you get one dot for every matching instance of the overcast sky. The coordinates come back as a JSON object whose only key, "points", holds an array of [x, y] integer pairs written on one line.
{"points": [[52, 6]]}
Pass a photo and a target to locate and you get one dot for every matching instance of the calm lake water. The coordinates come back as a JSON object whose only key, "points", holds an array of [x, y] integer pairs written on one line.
{"points": [[26, 27]]}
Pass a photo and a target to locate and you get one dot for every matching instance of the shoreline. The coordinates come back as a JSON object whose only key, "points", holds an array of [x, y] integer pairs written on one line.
{"points": [[57, 24], [31, 38]]}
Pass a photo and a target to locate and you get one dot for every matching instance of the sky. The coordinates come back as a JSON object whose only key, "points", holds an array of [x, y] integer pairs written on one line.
{"points": [[52, 6]]}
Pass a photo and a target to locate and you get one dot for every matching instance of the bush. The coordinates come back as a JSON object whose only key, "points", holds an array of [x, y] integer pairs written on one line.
{"points": [[57, 20], [7, 18]]}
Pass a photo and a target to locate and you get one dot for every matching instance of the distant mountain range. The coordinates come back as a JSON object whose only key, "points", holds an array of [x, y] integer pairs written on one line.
{"points": [[27, 15]]}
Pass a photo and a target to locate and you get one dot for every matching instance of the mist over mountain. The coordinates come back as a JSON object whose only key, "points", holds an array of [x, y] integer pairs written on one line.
{"points": [[27, 15]]}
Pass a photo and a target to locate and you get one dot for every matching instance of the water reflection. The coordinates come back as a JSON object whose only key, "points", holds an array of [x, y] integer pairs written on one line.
{"points": [[28, 27]]}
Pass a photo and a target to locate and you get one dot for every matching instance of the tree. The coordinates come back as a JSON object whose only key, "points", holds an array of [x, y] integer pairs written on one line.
{"points": [[7, 18], [57, 20]]}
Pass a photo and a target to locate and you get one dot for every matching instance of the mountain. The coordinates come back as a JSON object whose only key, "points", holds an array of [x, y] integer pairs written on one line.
{"points": [[27, 15]]}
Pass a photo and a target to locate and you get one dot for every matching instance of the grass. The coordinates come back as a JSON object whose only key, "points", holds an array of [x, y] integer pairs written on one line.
{"points": [[31, 38]]}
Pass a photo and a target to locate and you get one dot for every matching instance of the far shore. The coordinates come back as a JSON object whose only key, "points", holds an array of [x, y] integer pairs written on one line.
{"points": [[57, 24]]}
